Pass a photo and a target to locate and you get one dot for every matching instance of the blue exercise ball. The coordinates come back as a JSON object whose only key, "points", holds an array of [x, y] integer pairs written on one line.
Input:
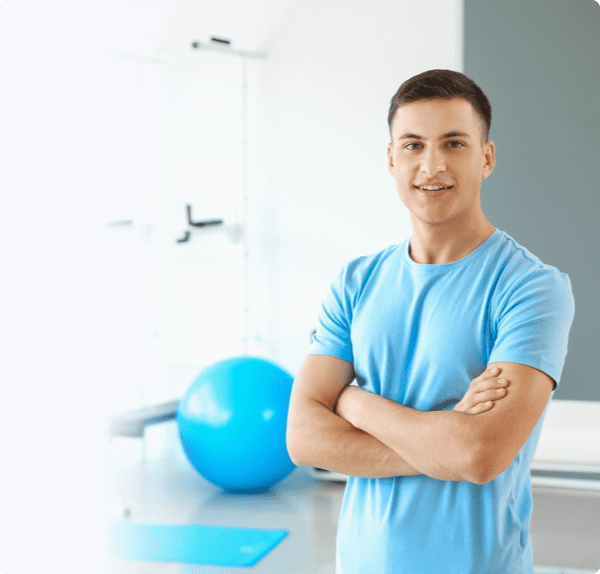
{"points": [[232, 424]]}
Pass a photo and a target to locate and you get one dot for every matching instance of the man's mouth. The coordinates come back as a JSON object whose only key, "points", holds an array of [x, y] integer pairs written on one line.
{"points": [[432, 187]]}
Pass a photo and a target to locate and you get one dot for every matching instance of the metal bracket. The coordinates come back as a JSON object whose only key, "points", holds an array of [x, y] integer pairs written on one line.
{"points": [[206, 223]]}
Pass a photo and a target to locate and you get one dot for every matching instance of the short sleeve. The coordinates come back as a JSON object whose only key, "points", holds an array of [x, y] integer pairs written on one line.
{"points": [[333, 327], [534, 321]]}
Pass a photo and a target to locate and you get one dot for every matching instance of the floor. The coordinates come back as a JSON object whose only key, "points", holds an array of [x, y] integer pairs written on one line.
{"points": [[565, 526]]}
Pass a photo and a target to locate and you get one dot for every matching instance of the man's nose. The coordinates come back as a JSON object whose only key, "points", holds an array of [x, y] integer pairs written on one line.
{"points": [[433, 162]]}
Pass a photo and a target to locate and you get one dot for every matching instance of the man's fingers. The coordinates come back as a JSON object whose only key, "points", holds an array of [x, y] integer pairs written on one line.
{"points": [[476, 400], [481, 408], [488, 395], [486, 387], [488, 374], [491, 395], [492, 383]]}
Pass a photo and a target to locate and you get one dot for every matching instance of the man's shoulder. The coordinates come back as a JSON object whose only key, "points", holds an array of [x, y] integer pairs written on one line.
{"points": [[513, 252], [519, 267], [363, 267]]}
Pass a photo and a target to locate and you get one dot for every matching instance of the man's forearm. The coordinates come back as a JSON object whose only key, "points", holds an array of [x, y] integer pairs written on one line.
{"points": [[439, 444], [324, 440]]}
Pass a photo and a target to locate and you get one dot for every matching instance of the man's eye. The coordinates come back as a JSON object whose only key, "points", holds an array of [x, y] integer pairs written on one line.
{"points": [[409, 146], [455, 144]]}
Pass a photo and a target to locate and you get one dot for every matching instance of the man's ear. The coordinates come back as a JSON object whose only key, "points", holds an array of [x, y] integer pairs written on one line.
{"points": [[390, 159], [489, 153]]}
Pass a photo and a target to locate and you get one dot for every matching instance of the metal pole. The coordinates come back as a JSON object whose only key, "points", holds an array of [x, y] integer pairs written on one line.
{"points": [[245, 215]]}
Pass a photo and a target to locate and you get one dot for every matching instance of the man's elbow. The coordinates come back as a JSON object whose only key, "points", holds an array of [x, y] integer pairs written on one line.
{"points": [[293, 446], [481, 478], [486, 465]]}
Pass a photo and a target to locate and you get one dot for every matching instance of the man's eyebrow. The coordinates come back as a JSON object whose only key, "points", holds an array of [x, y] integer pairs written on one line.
{"points": [[455, 135], [445, 136]]}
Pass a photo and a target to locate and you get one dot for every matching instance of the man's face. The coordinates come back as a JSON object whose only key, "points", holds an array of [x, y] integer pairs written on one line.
{"points": [[439, 143]]}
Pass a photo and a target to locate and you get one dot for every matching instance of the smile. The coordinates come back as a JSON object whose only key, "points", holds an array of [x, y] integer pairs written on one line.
{"points": [[432, 187]]}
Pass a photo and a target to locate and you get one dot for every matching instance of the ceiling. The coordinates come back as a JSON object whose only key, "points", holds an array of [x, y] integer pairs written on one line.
{"points": [[171, 25]]}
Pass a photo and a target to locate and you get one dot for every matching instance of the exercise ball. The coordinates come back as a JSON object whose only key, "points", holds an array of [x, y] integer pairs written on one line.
{"points": [[232, 423]]}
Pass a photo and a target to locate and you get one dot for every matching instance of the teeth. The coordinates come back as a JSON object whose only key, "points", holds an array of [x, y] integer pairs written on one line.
{"points": [[432, 187]]}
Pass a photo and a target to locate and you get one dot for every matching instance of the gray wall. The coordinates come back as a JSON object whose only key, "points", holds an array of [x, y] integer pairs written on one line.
{"points": [[538, 61]]}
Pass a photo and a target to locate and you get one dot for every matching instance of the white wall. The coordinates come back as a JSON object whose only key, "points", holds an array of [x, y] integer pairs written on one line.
{"points": [[174, 136], [50, 383], [323, 194], [320, 195], [319, 190]]}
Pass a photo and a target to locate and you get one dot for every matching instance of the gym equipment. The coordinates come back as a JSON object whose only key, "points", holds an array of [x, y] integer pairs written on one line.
{"points": [[133, 423], [232, 424], [192, 223], [190, 544]]}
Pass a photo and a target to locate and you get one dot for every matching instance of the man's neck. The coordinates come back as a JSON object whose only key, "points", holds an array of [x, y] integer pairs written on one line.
{"points": [[440, 244]]}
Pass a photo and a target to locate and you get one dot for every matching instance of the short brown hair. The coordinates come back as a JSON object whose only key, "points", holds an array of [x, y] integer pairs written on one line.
{"points": [[443, 84]]}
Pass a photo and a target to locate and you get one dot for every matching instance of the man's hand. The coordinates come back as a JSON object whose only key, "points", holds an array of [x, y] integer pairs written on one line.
{"points": [[483, 392]]}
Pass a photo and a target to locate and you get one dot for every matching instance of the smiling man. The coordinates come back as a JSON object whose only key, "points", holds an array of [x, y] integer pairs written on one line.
{"points": [[435, 487], [438, 175]]}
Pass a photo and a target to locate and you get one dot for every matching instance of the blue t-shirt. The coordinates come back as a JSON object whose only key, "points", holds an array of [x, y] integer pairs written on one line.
{"points": [[418, 334]]}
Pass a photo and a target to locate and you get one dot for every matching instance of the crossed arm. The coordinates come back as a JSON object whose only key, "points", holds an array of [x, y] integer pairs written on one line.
{"points": [[346, 429]]}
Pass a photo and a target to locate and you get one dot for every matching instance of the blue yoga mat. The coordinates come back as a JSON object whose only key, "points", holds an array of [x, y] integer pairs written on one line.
{"points": [[191, 544]]}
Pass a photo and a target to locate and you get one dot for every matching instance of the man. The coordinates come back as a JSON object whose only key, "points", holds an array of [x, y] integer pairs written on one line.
{"points": [[434, 487]]}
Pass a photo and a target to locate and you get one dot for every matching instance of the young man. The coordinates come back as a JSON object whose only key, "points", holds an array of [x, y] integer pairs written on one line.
{"points": [[439, 479]]}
